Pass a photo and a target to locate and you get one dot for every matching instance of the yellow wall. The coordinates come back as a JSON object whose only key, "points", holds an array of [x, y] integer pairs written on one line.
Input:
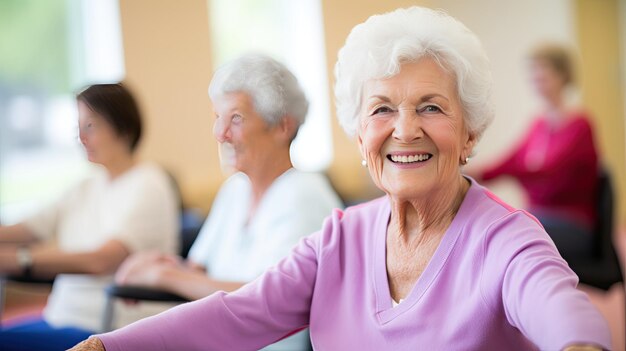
{"points": [[168, 62], [597, 24], [168, 65]]}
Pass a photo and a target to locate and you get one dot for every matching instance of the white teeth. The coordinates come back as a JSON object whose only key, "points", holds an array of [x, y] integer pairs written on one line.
{"points": [[410, 159]]}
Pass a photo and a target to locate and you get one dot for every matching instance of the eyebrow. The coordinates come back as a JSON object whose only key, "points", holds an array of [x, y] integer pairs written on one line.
{"points": [[424, 98], [233, 111]]}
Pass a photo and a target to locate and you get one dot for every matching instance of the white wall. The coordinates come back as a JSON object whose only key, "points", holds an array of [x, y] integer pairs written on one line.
{"points": [[508, 29]]}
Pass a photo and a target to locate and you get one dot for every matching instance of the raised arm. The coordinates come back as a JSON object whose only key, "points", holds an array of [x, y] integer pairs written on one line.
{"points": [[260, 313], [512, 164], [576, 148], [538, 289]]}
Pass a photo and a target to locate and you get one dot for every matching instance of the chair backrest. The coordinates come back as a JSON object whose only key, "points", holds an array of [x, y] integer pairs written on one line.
{"points": [[190, 226], [190, 221], [603, 231]]}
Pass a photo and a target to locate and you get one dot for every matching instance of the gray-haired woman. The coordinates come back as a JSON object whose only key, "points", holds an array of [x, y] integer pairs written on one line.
{"points": [[439, 263], [260, 212]]}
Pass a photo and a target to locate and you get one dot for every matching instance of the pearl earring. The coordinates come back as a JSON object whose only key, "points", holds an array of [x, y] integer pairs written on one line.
{"points": [[363, 163], [466, 160]]}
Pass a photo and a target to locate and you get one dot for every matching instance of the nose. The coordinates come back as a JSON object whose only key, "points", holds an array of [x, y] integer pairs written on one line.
{"points": [[407, 126], [82, 136], [221, 130]]}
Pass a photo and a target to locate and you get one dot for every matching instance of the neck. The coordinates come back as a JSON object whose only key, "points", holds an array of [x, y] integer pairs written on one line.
{"points": [[554, 103], [260, 181], [417, 221], [120, 166]]}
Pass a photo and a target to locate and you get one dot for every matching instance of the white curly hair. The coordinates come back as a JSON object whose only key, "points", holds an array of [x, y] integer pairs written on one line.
{"points": [[274, 90], [376, 48]]}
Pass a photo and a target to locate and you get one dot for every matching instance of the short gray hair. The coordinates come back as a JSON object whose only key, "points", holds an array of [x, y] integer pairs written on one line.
{"points": [[378, 47], [274, 90]]}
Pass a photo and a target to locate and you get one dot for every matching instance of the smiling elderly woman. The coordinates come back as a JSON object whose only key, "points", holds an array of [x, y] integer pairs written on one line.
{"points": [[439, 263]]}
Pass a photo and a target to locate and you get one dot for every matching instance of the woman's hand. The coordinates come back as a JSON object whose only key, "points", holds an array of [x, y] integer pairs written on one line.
{"points": [[146, 269], [91, 344]]}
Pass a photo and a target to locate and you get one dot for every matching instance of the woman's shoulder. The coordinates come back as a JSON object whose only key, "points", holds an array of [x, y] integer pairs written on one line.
{"points": [[500, 229], [147, 178], [305, 181], [149, 169], [235, 180], [300, 187], [487, 211]]}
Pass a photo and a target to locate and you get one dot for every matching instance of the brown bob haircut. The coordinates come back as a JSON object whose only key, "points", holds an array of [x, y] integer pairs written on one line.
{"points": [[116, 104]]}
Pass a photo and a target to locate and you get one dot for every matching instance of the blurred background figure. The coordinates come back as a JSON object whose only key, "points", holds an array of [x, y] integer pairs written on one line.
{"points": [[260, 212], [125, 207], [556, 162]]}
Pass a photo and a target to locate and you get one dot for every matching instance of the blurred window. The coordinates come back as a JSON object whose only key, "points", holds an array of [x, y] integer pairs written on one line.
{"points": [[49, 50]]}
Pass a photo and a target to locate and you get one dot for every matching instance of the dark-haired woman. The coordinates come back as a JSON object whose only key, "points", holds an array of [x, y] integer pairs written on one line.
{"points": [[82, 238]]}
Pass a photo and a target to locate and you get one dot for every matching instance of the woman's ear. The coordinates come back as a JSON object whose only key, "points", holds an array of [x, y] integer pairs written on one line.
{"points": [[360, 144], [287, 128], [126, 139], [468, 148]]}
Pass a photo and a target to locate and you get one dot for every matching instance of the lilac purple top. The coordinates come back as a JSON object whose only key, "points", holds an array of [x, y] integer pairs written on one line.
{"points": [[496, 282]]}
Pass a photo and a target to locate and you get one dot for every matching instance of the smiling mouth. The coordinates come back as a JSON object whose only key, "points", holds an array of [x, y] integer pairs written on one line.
{"points": [[406, 159]]}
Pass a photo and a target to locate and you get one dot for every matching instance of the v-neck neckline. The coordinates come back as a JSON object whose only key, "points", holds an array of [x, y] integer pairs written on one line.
{"points": [[384, 307]]}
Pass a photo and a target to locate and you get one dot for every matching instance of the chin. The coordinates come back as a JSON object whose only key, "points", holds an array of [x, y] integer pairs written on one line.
{"points": [[412, 188]]}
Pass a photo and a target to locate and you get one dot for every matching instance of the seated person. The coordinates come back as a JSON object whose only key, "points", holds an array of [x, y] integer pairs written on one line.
{"points": [[556, 162], [127, 206], [437, 263], [261, 212]]}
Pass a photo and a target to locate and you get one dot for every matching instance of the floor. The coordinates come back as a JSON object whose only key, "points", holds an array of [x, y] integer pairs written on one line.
{"points": [[23, 299]]}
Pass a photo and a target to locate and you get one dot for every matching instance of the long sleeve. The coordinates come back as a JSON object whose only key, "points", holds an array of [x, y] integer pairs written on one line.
{"points": [[266, 310], [511, 164], [538, 289], [44, 223], [570, 148]]}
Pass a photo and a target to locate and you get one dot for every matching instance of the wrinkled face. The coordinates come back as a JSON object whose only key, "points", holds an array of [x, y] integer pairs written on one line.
{"points": [[101, 141], [548, 83], [246, 141], [412, 132]]}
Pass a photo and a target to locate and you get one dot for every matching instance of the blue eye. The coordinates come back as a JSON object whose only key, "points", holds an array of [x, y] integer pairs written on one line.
{"points": [[431, 109], [236, 118]]}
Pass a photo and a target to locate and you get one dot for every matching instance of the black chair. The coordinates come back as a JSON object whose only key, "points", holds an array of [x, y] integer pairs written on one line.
{"points": [[602, 269]]}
